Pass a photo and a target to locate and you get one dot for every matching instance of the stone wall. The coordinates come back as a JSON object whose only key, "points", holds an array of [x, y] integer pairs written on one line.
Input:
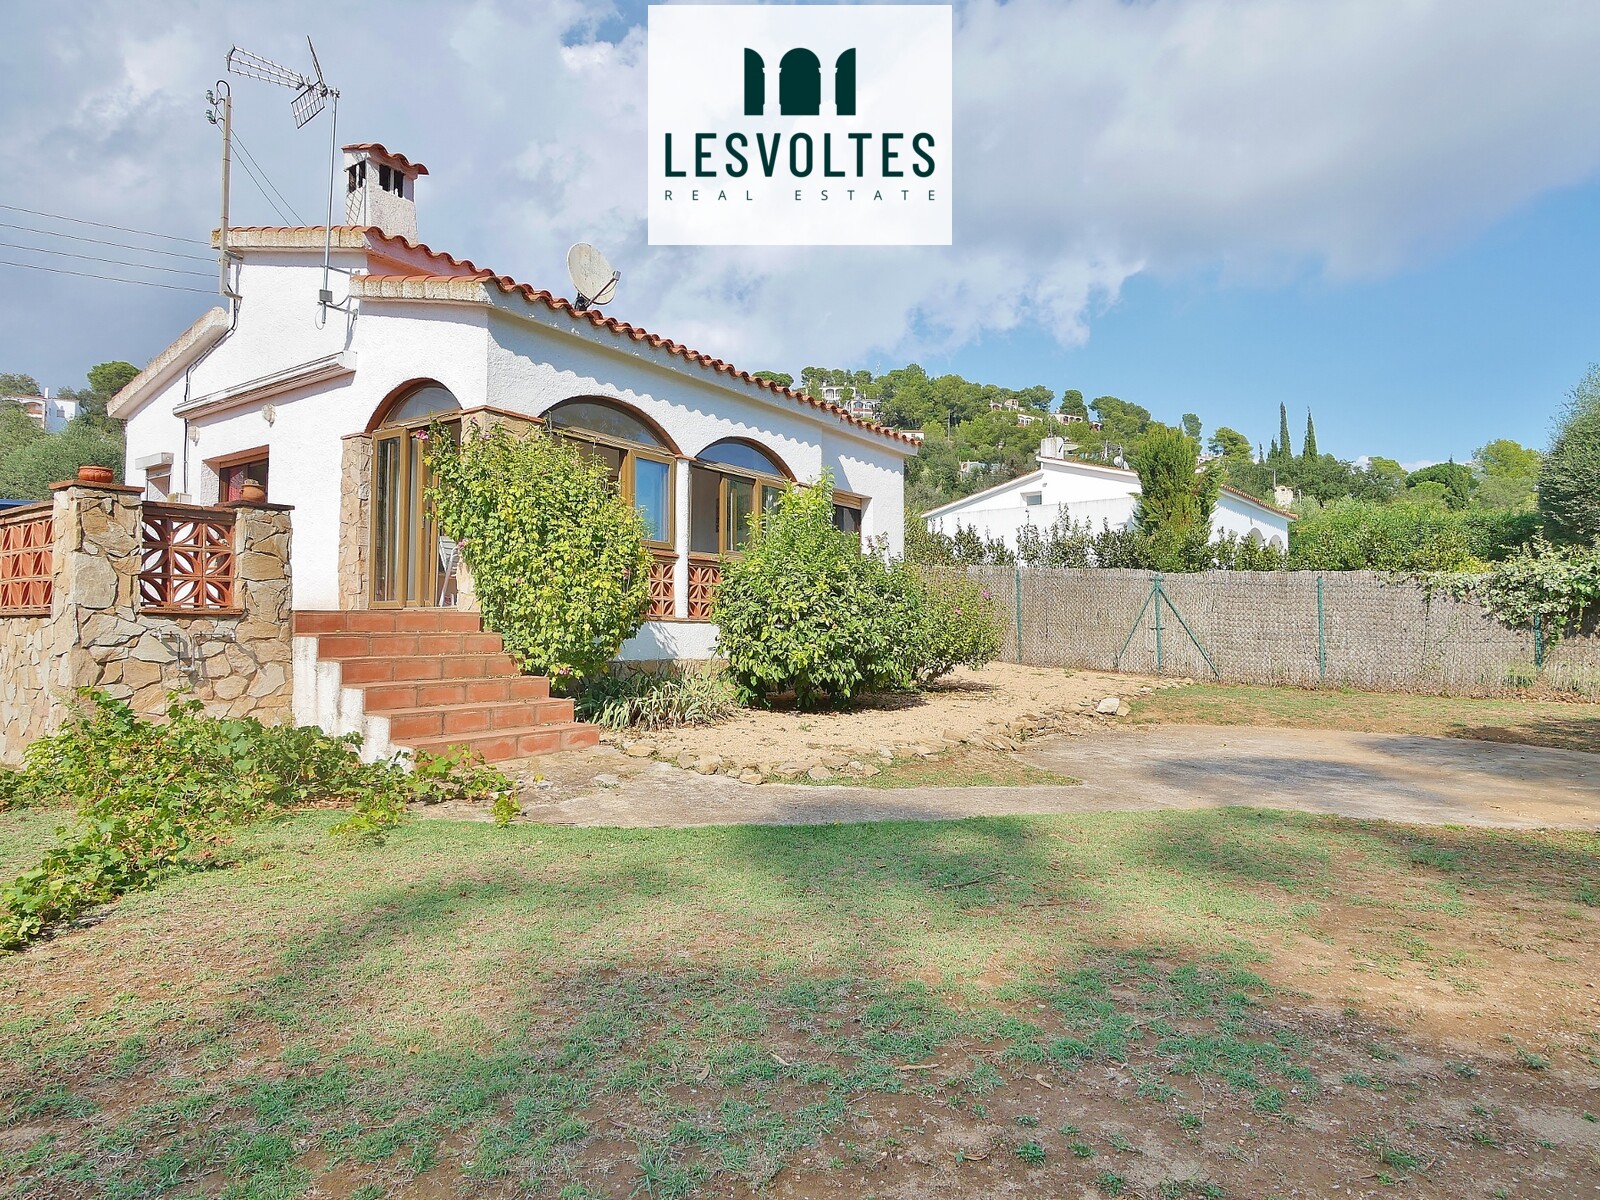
{"points": [[99, 635]]}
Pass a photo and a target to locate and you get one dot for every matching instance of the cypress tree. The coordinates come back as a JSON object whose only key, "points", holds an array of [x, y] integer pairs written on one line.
{"points": [[1308, 449], [1285, 450]]}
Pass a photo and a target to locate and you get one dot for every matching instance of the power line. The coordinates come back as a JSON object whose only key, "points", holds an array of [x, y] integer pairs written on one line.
{"points": [[239, 142], [171, 287], [78, 237], [260, 187], [102, 225], [120, 262]]}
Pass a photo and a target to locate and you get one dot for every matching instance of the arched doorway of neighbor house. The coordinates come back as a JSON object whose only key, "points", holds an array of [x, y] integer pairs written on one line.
{"points": [[413, 565]]}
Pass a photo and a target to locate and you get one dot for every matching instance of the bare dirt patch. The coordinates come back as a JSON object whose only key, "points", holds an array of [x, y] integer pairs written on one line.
{"points": [[965, 706]]}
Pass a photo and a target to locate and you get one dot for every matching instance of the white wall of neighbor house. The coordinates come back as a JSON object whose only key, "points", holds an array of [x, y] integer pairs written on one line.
{"points": [[1087, 495], [1235, 515]]}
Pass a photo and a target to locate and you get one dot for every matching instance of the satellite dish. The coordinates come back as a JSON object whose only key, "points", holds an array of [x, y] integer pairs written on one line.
{"points": [[591, 275]]}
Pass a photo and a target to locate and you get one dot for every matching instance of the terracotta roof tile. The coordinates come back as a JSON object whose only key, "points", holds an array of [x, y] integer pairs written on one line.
{"points": [[380, 148]]}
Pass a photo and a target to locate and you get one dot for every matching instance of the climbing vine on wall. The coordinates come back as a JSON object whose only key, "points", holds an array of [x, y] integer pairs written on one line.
{"points": [[557, 556]]}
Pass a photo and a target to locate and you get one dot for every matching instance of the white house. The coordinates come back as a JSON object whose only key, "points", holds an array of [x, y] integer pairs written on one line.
{"points": [[319, 403], [1090, 493], [50, 413]]}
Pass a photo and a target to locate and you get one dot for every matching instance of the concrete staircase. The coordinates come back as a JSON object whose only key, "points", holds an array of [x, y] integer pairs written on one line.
{"points": [[424, 679]]}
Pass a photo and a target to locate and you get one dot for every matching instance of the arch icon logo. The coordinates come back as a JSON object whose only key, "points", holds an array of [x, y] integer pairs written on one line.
{"points": [[800, 125]]}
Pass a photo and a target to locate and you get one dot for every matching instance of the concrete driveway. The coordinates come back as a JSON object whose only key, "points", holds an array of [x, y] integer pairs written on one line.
{"points": [[1425, 780]]}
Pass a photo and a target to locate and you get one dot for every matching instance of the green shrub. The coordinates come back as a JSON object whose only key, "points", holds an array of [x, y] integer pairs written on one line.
{"points": [[1362, 535], [805, 611], [951, 621], [156, 797], [557, 556], [1560, 585], [693, 695]]}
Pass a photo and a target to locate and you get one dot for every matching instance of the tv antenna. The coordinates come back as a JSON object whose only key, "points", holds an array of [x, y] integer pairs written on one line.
{"points": [[311, 96], [592, 276]]}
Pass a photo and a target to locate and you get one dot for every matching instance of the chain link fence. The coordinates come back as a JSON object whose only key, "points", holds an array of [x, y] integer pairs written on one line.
{"points": [[1357, 629]]}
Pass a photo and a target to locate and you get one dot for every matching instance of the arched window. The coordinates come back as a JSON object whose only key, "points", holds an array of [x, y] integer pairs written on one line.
{"points": [[729, 483], [421, 402], [638, 456]]}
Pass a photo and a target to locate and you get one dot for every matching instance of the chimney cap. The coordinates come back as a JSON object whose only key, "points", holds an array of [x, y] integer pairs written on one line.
{"points": [[379, 150]]}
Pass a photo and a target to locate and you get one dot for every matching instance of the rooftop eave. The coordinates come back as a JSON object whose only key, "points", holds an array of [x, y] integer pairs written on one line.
{"points": [[275, 383], [206, 332]]}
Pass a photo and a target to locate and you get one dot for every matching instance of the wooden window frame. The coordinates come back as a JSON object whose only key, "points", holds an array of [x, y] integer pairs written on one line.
{"points": [[859, 503], [222, 464], [422, 578], [632, 451]]}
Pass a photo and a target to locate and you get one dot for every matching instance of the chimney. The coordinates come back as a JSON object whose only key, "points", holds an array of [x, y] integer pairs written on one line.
{"points": [[381, 189]]}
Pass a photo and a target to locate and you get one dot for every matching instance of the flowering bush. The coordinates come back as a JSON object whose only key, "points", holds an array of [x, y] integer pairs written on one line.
{"points": [[557, 555], [952, 622]]}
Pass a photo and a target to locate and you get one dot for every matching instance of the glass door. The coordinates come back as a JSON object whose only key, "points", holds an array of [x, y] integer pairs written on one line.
{"points": [[413, 565]]}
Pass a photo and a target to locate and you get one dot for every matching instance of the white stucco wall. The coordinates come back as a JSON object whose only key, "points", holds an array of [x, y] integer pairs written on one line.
{"points": [[513, 355], [1086, 494]]}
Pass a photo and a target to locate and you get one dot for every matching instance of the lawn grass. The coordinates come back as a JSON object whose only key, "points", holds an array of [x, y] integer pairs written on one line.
{"points": [[1564, 726], [584, 1012]]}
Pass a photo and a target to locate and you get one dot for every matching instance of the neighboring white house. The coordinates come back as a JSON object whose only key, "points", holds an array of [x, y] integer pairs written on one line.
{"points": [[321, 407], [1090, 493], [50, 413]]}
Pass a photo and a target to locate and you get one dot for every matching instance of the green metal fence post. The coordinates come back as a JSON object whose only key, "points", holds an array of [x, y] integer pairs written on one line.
{"points": [[1017, 573], [1538, 644], [1322, 636], [1158, 593]]}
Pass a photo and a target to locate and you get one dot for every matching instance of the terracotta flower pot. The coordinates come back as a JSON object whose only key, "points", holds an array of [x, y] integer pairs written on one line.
{"points": [[252, 492], [96, 475]]}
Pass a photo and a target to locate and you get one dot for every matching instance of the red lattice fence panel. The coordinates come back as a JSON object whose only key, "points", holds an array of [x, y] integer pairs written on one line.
{"points": [[704, 575], [188, 559], [661, 586], [26, 562]]}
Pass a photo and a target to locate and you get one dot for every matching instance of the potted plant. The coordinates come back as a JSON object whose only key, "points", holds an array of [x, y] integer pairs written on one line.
{"points": [[252, 492]]}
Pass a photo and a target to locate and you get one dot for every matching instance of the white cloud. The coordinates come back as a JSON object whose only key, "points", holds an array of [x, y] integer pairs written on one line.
{"points": [[1095, 140]]}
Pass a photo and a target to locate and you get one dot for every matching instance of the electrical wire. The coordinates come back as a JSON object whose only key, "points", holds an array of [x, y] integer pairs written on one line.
{"points": [[78, 237], [33, 212], [119, 262], [250, 161], [171, 287], [273, 204]]}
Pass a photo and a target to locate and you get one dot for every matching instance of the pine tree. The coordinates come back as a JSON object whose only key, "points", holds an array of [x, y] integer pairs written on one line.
{"points": [[1272, 454], [1308, 449], [1285, 448]]}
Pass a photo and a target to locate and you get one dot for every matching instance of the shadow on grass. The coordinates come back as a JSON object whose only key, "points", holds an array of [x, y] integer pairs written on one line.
{"points": [[1556, 733]]}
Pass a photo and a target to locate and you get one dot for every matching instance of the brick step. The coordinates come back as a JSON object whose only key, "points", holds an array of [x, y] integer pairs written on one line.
{"points": [[389, 696], [404, 645], [502, 744], [361, 671], [411, 725], [392, 620]]}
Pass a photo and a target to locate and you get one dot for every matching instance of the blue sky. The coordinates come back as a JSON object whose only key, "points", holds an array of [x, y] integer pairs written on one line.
{"points": [[1427, 363], [1386, 212]]}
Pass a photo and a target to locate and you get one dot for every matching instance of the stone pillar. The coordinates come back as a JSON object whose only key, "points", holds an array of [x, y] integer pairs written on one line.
{"points": [[355, 520], [98, 548]]}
